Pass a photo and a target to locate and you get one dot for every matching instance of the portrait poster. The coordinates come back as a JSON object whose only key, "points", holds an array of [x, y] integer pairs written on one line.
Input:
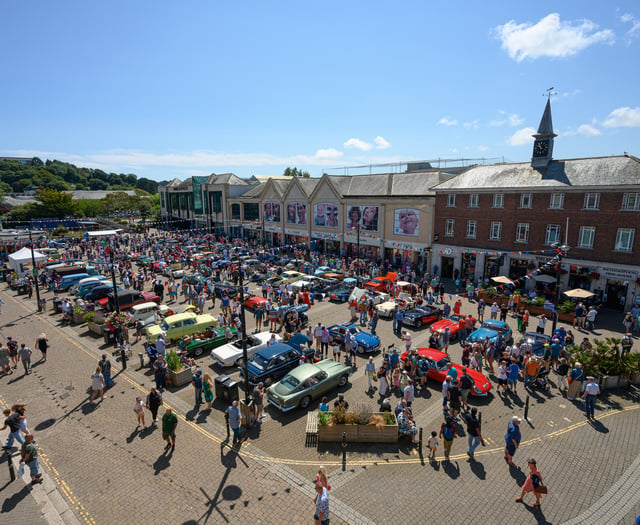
{"points": [[271, 211], [296, 213], [325, 215], [406, 221], [363, 216]]}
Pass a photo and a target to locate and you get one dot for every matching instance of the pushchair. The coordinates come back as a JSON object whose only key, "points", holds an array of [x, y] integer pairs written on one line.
{"points": [[541, 382]]}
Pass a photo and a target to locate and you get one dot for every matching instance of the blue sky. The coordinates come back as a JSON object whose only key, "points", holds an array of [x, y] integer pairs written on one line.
{"points": [[173, 89]]}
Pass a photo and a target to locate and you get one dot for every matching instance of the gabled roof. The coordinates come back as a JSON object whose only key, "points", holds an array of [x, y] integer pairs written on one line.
{"points": [[563, 174], [308, 185], [255, 192], [264, 178], [226, 178], [173, 184], [186, 184]]}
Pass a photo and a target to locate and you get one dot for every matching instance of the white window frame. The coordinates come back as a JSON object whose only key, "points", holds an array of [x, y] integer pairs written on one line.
{"points": [[635, 201], [449, 227], [495, 234], [498, 200], [526, 197], [522, 233], [627, 247], [474, 200], [588, 205], [451, 200], [472, 229], [586, 237], [552, 234], [556, 201]]}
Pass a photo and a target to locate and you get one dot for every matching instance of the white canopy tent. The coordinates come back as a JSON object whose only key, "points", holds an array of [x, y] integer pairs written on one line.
{"points": [[21, 260], [105, 233]]}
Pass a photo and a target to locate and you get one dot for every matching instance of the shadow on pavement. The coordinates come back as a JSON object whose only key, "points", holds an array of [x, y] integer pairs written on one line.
{"points": [[536, 512], [163, 462], [599, 426], [43, 425], [477, 468], [451, 469], [517, 474], [10, 503]]}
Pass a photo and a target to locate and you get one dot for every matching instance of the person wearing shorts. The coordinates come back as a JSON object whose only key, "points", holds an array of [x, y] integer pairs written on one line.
{"points": [[169, 424]]}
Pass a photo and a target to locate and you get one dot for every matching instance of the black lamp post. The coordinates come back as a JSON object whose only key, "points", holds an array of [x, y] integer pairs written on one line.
{"points": [[35, 272], [562, 250], [246, 405], [358, 232], [116, 335]]}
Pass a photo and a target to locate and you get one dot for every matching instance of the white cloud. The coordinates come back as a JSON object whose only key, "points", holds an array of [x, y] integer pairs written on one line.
{"points": [[573, 93], [357, 144], [521, 137], [623, 118], [550, 37], [483, 148], [515, 120], [588, 131], [328, 154], [445, 121], [473, 124], [382, 143], [634, 31], [512, 119]]}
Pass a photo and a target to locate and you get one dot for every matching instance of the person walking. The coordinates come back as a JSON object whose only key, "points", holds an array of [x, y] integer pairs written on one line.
{"points": [[105, 368], [12, 346], [160, 372], [169, 424], [25, 357], [321, 515], [196, 381], [591, 393], [234, 421], [154, 402], [532, 483], [42, 343], [447, 433], [512, 439], [12, 421], [575, 379], [97, 384], [207, 385], [5, 361], [473, 431], [370, 372], [258, 400], [138, 408], [29, 456]]}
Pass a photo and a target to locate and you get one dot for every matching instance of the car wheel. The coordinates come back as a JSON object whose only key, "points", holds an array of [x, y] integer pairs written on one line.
{"points": [[304, 402], [418, 323], [343, 380], [361, 349], [198, 351]]}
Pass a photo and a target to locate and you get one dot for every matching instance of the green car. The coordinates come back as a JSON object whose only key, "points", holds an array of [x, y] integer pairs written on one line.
{"points": [[196, 347], [306, 382]]}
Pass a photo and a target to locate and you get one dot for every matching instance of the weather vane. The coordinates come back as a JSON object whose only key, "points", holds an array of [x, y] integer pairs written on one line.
{"points": [[550, 93]]}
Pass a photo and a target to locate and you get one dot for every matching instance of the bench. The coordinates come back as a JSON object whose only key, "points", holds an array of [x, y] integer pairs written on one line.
{"points": [[312, 429]]}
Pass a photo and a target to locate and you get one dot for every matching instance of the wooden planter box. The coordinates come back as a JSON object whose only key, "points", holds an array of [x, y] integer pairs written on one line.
{"points": [[535, 310], [359, 433], [180, 377], [96, 328], [610, 382]]}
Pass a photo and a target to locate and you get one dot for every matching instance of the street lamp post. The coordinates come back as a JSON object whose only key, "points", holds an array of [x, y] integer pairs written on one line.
{"points": [[358, 232], [562, 250], [246, 405], [116, 335], [35, 272]]}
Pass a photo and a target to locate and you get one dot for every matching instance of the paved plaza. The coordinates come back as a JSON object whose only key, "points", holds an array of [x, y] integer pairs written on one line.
{"points": [[99, 468]]}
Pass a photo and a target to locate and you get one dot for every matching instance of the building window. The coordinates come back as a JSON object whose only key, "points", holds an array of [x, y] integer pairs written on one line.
{"points": [[449, 227], [587, 235], [498, 200], [624, 239], [631, 201], [522, 233], [496, 231], [473, 200], [251, 211], [553, 234], [235, 211], [556, 201], [591, 201], [525, 200], [451, 200], [472, 227]]}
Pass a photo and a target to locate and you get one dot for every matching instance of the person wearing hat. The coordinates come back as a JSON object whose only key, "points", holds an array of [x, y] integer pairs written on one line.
{"points": [[591, 392], [512, 439], [29, 456], [196, 381]]}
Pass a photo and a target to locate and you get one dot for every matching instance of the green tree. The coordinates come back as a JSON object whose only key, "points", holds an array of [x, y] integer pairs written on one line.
{"points": [[90, 207], [295, 172], [54, 203]]}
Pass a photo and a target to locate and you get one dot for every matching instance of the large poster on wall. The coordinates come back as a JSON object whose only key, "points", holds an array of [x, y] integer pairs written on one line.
{"points": [[296, 213], [325, 214], [406, 221], [364, 216], [271, 211]]}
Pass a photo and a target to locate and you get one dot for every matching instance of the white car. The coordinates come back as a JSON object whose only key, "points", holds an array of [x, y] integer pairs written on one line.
{"points": [[402, 302], [231, 353], [377, 297], [305, 282]]}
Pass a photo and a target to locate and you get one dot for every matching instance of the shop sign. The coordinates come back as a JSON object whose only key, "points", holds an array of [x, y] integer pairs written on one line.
{"points": [[619, 274]]}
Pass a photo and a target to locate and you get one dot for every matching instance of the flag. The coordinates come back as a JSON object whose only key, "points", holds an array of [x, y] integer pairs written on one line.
{"points": [[549, 306]]}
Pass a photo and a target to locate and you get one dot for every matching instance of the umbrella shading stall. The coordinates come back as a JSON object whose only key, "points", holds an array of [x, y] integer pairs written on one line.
{"points": [[502, 279], [579, 293]]}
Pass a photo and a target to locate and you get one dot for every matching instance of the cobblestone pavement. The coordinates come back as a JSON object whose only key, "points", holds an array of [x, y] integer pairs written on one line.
{"points": [[108, 471]]}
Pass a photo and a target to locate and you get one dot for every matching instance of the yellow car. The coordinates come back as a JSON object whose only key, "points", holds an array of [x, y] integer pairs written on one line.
{"points": [[176, 326]]}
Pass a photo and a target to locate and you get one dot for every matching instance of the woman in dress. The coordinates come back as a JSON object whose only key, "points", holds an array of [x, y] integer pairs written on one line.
{"points": [[154, 402], [42, 343], [207, 385], [97, 384], [533, 481]]}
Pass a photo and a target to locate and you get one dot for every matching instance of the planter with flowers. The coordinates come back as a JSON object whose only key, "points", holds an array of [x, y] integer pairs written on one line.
{"points": [[95, 324], [115, 323], [78, 315]]}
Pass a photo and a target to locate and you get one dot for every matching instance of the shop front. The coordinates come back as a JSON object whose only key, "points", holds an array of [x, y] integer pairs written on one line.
{"points": [[468, 266], [492, 265], [295, 237], [619, 286], [519, 268], [326, 243]]}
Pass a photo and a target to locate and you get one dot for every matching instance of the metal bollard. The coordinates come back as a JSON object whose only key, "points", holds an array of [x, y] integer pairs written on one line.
{"points": [[141, 357], [344, 451], [420, 442], [123, 358], [526, 408], [12, 472]]}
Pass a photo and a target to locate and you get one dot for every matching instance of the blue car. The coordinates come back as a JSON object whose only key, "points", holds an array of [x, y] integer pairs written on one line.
{"points": [[367, 342], [537, 341], [274, 362], [490, 329]]}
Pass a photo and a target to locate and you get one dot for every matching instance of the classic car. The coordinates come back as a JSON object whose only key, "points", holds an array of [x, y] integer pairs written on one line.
{"points": [[176, 326], [376, 297], [402, 302], [438, 370], [226, 288], [306, 382], [489, 330], [231, 353], [421, 316], [450, 322], [340, 294], [212, 338], [366, 342], [254, 301], [536, 340], [321, 270], [273, 362], [382, 283]]}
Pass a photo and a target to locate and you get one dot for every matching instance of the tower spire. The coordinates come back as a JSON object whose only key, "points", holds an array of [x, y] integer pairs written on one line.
{"points": [[543, 143]]}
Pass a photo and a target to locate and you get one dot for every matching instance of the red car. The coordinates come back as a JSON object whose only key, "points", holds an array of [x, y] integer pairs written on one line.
{"points": [[382, 284], [438, 370], [451, 322], [253, 302], [127, 299]]}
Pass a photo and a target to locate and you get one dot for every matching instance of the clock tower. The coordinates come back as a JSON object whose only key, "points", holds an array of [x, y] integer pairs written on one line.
{"points": [[543, 143]]}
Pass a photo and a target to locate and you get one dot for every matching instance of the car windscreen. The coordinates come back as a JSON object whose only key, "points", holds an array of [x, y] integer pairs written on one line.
{"points": [[259, 361], [164, 325], [290, 382]]}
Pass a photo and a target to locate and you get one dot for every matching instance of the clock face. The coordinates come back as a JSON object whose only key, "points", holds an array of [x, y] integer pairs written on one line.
{"points": [[541, 148]]}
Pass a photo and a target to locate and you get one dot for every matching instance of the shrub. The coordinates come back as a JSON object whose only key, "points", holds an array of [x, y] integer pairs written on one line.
{"points": [[173, 361], [324, 418]]}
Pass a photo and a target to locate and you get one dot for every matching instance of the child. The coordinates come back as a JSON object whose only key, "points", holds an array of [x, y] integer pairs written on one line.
{"points": [[433, 445], [396, 378], [138, 408]]}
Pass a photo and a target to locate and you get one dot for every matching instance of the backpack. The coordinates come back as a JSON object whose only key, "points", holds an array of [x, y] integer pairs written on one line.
{"points": [[447, 432]]}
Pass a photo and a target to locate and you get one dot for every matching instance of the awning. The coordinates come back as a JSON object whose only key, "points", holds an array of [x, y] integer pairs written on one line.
{"points": [[103, 233], [502, 279], [579, 293], [544, 278]]}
